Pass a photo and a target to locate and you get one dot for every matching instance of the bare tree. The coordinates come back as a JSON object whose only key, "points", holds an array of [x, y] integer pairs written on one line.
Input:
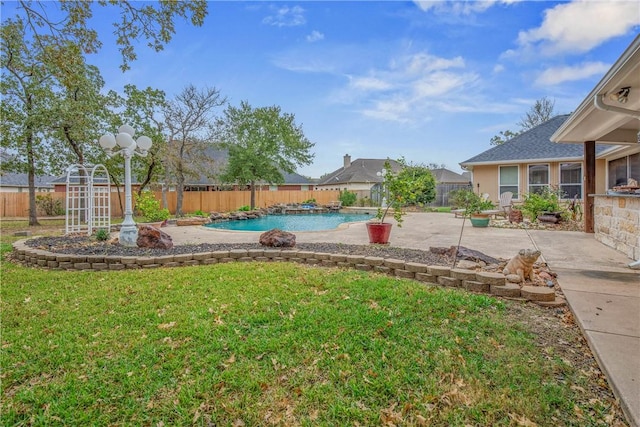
{"points": [[189, 120], [541, 111]]}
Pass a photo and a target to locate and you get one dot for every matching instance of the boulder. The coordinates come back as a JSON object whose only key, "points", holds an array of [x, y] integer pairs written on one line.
{"points": [[277, 238], [153, 238]]}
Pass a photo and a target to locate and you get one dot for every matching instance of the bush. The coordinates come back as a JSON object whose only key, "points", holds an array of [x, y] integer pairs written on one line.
{"points": [[548, 200], [245, 208], [102, 234], [198, 213], [149, 208], [49, 205], [347, 198]]}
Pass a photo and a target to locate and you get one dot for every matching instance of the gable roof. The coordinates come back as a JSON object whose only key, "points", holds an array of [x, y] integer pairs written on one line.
{"points": [[11, 179], [359, 171], [445, 175], [532, 145]]}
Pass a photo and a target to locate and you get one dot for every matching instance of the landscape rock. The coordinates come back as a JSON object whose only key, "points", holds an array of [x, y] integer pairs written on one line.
{"points": [[153, 238], [277, 238], [194, 220]]}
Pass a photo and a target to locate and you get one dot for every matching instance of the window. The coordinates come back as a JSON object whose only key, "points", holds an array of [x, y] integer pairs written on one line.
{"points": [[571, 180], [538, 178], [508, 179], [620, 170]]}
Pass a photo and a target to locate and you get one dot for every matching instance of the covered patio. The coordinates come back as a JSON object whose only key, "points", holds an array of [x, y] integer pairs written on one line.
{"points": [[610, 115]]}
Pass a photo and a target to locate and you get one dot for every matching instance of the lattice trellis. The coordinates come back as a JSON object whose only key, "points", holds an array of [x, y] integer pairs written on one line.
{"points": [[88, 202]]}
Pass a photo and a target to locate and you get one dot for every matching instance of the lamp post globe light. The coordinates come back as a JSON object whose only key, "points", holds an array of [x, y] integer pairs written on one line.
{"points": [[124, 144]]}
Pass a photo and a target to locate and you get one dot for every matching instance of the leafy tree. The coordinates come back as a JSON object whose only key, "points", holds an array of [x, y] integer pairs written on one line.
{"points": [[42, 50], [262, 144], [189, 122], [540, 112], [58, 23], [26, 87], [423, 183], [503, 137]]}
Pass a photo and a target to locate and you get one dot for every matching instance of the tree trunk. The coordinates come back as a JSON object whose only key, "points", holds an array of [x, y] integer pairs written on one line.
{"points": [[253, 195], [179, 190], [31, 174]]}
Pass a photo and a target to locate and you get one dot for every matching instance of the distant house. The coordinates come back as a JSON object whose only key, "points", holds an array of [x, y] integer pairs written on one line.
{"points": [[292, 181], [531, 161], [19, 183], [360, 176], [446, 182]]}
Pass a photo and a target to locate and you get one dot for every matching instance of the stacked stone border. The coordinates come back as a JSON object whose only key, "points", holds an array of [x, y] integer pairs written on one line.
{"points": [[474, 281]]}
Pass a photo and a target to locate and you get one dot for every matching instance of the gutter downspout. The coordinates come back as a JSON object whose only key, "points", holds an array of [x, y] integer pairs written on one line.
{"points": [[598, 101]]}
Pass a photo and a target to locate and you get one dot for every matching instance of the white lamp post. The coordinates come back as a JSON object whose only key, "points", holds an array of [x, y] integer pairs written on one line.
{"points": [[128, 147]]}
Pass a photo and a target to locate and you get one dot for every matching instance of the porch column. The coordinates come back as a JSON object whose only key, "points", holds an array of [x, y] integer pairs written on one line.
{"points": [[589, 184]]}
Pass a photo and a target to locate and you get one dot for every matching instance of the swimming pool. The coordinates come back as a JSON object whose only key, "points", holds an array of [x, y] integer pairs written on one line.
{"points": [[308, 222]]}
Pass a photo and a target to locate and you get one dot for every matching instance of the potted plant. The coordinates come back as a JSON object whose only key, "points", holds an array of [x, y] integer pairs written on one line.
{"points": [[410, 185], [474, 207], [149, 208]]}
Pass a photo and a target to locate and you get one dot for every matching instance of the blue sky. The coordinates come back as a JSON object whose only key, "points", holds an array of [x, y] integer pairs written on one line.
{"points": [[429, 81]]}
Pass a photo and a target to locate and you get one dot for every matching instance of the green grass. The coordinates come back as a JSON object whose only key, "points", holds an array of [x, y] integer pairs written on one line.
{"points": [[267, 344]]}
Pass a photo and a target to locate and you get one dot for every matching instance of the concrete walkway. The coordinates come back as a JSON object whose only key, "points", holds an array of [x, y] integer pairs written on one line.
{"points": [[602, 292]]}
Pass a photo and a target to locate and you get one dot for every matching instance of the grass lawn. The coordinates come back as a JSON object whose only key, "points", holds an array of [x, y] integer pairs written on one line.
{"points": [[273, 344]]}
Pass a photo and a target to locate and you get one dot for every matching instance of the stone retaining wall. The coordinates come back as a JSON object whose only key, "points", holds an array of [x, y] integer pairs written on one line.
{"points": [[474, 281]]}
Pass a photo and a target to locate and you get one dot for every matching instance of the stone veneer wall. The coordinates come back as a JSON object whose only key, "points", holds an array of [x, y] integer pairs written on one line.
{"points": [[471, 280], [617, 223]]}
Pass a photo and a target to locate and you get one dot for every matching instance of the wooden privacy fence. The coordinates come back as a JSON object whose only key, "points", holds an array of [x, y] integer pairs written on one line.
{"points": [[17, 204]]}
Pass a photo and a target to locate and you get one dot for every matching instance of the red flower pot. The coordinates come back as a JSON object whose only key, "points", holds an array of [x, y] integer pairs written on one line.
{"points": [[379, 232]]}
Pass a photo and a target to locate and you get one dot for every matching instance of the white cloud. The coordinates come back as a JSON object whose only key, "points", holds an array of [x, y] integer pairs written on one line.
{"points": [[286, 17], [557, 75], [370, 84], [457, 7], [579, 26], [315, 36], [409, 89]]}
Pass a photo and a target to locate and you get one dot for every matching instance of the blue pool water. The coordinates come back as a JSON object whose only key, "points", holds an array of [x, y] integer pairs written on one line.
{"points": [[310, 222]]}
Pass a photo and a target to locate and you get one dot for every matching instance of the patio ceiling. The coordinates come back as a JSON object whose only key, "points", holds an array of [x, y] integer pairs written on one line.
{"points": [[620, 126]]}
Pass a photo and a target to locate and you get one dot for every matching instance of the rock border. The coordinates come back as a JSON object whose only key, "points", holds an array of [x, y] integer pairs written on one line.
{"points": [[484, 282]]}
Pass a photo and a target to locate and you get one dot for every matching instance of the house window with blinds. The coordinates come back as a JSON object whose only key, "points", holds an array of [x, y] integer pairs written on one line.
{"points": [[509, 179], [571, 180]]}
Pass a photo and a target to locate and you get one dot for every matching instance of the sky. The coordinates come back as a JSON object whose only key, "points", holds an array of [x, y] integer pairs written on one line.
{"points": [[430, 81]]}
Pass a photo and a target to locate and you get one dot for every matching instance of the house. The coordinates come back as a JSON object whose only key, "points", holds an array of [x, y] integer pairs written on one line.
{"points": [[447, 181], [361, 176], [19, 183], [610, 115], [531, 161]]}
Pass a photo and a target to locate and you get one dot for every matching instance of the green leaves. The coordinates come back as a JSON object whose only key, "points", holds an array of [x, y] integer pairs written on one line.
{"points": [[411, 185], [263, 143]]}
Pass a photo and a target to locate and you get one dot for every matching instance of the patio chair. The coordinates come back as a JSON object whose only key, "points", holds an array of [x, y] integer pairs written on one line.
{"points": [[506, 201]]}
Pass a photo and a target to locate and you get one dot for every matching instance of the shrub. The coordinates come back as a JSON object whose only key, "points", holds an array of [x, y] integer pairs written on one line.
{"points": [[49, 205], [547, 200], [245, 208], [458, 198], [347, 198], [102, 234], [149, 208], [198, 213]]}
